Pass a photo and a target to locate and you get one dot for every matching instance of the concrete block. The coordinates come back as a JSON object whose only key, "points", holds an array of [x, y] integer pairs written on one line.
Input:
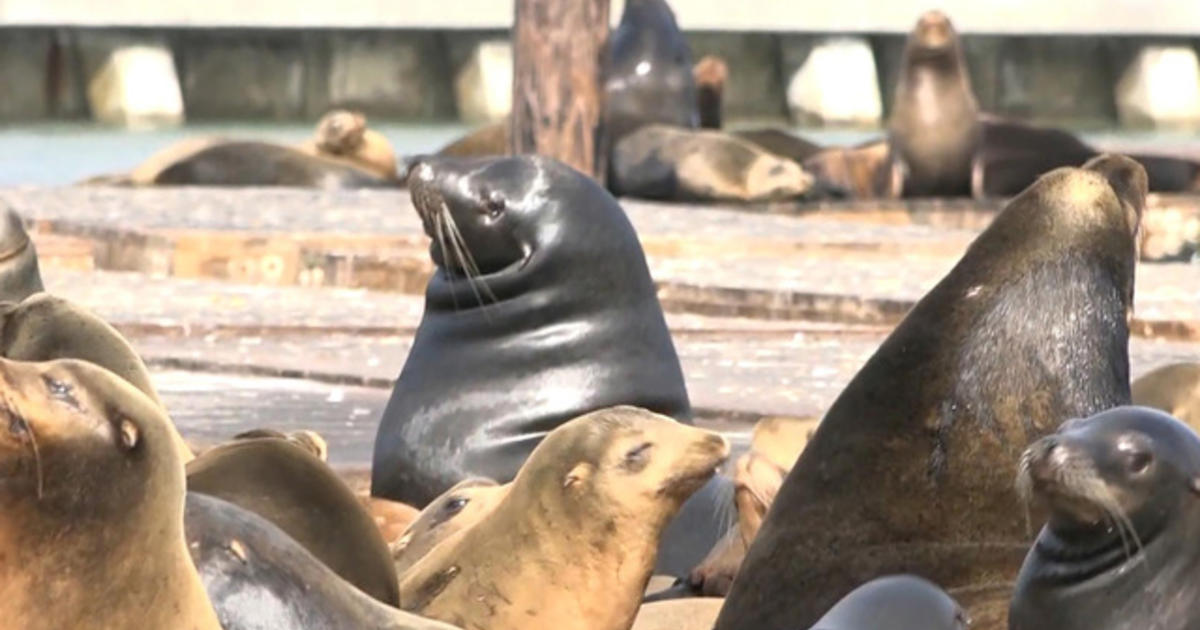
{"points": [[483, 87], [1160, 88], [391, 74], [1055, 80], [131, 81], [837, 85], [755, 89], [242, 76]]}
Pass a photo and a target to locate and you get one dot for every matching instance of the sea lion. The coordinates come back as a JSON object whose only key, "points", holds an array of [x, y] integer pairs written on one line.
{"points": [[258, 578], [91, 505], [710, 74], [583, 517], [1119, 549], [310, 441], [541, 308], [665, 162], [933, 132], [488, 141], [393, 518], [859, 171], [648, 72], [460, 507], [907, 471], [1174, 389], [43, 327], [342, 134], [895, 602], [221, 162], [19, 273], [290, 487]]}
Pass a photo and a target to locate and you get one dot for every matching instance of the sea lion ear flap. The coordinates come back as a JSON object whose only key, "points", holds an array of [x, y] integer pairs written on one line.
{"points": [[578, 475]]}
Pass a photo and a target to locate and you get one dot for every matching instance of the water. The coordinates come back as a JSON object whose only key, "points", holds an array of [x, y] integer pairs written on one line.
{"points": [[56, 154]]}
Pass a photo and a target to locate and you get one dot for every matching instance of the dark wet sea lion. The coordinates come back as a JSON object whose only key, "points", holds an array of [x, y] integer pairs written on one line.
{"points": [[1120, 547], [303, 496], [910, 470], [895, 602], [460, 507], [672, 163], [343, 135], [91, 505], [19, 273], [933, 131], [258, 578], [43, 327], [572, 543], [1174, 389], [648, 72], [558, 317]]}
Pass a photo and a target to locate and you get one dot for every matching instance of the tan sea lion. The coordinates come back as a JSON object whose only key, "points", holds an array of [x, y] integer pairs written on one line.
{"points": [[487, 141], [343, 134], [859, 172], [910, 471], [43, 327], [393, 518], [584, 515], [91, 505], [310, 441], [1174, 389], [462, 506], [289, 486]]}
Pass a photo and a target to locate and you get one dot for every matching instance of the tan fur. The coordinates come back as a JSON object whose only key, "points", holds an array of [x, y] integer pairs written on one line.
{"points": [[1174, 389], [91, 530], [433, 525], [572, 545], [343, 135]]}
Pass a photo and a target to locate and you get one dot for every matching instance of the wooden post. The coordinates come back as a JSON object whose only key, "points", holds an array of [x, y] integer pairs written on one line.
{"points": [[558, 48]]}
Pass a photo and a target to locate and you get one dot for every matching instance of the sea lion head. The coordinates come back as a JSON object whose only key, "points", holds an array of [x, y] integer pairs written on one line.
{"points": [[460, 507], [340, 131], [79, 444], [19, 273], [934, 35], [1116, 475]]}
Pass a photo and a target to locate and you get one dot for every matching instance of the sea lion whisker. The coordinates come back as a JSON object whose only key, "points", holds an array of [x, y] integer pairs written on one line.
{"points": [[37, 459], [440, 232], [467, 260]]}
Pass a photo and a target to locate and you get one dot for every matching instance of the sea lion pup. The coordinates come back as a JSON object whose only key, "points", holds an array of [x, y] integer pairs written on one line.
{"points": [[710, 74], [258, 578], [906, 472], [672, 163], [343, 134], [1174, 389], [1119, 549], [895, 602], [43, 327], [289, 486], [648, 72], [19, 273], [933, 131], [91, 505], [584, 515], [462, 506]]}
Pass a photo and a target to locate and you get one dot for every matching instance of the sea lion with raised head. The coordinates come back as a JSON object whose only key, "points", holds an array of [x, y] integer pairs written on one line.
{"points": [[910, 471], [895, 602], [19, 273], [648, 72], [91, 505], [1173, 388], [572, 543], [258, 578], [342, 134], [44, 327], [1120, 548], [460, 507], [289, 486], [710, 74]]}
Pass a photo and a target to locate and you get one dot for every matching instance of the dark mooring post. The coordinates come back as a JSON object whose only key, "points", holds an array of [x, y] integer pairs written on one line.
{"points": [[557, 93]]}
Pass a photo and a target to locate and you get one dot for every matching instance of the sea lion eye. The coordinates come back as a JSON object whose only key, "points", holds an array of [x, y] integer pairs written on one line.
{"points": [[1139, 461], [494, 203], [455, 505], [637, 457]]}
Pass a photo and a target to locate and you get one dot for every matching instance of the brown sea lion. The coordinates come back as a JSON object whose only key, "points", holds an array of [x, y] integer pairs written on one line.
{"points": [[19, 273], [343, 135], [860, 171], [286, 484], [460, 507], [584, 515], [911, 468], [1174, 389], [393, 518], [91, 505], [43, 327], [310, 441], [663, 162], [710, 74], [487, 141]]}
